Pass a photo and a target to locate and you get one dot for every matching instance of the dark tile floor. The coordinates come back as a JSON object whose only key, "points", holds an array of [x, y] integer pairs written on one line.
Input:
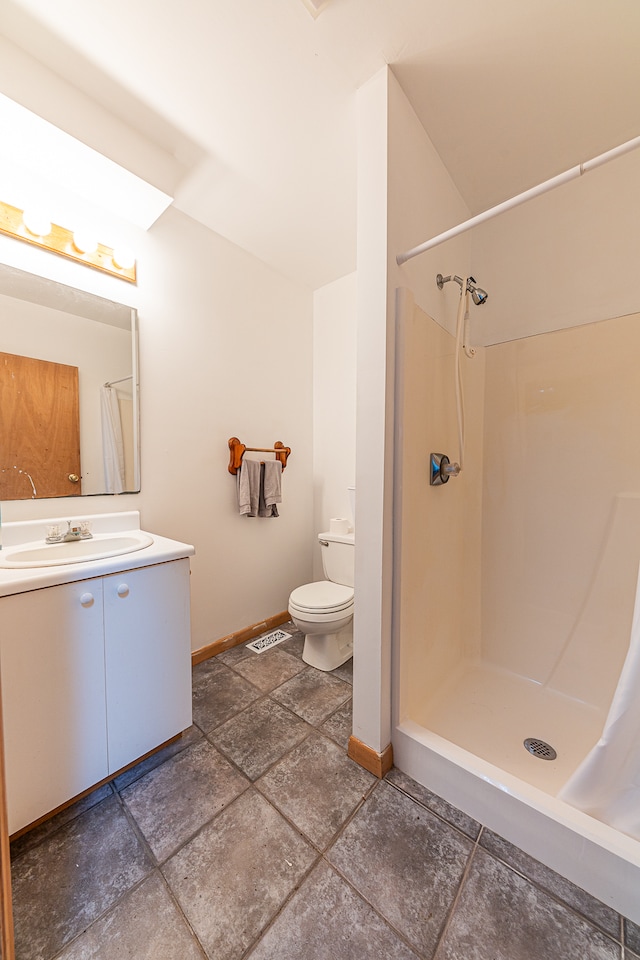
{"points": [[256, 837]]}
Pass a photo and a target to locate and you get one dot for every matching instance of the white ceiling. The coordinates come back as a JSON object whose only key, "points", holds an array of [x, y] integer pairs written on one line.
{"points": [[245, 109]]}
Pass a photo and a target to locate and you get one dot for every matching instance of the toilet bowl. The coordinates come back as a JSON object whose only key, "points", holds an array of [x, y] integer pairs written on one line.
{"points": [[323, 610]]}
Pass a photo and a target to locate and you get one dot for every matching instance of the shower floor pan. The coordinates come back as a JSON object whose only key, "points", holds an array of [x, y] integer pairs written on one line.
{"points": [[491, 712]]}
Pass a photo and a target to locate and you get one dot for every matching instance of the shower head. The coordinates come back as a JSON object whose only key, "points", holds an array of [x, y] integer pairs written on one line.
{"points": [[478, 295]]}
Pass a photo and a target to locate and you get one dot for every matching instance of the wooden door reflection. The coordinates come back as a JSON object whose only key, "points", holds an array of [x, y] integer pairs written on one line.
{"points": [[39, 429]]}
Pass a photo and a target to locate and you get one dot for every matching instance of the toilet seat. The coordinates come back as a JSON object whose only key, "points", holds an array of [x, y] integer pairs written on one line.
{"points": [[322, 597]]}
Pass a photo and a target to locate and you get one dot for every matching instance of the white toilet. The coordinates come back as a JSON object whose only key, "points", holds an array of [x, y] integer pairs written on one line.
{"points": [[324, 610]]}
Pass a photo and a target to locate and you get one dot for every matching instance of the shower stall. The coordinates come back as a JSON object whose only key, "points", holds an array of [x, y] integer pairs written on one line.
{"points": [[517, 655]]}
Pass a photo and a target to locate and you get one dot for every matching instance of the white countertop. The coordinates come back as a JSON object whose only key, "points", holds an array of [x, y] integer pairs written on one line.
{"points": [[20, 580]]}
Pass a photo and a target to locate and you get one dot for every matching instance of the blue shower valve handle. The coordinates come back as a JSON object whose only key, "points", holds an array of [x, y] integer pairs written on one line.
{"points": [[438, 474], [442, 469]]}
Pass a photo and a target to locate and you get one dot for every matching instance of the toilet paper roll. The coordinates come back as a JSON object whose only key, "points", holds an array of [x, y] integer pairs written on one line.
{"points": [[338, 525]]}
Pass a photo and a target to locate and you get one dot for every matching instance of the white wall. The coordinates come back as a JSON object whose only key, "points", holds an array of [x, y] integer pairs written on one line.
{"points": [[423, 201], [334, 403], [218, 330], [372, 610], [404, 195]]}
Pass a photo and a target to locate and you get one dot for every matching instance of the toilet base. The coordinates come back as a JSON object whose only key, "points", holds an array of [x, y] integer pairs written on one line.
{"points": [[327, 651]]}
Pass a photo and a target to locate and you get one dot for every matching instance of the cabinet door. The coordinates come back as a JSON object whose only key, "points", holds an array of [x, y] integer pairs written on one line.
{"points": [[147, 657], [53, 697]]}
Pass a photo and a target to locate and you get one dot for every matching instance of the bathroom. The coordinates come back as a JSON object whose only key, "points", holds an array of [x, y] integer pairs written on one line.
{"points": [[193, 399]]}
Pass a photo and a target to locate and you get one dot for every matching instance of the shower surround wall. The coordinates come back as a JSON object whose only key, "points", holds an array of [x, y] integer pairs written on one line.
{"points": [[516, 581], [440, 538], [561, 535]]}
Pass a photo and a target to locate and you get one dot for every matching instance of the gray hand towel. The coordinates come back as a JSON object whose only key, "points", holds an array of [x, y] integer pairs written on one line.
{"points": [[259, 488], [270, 488], [248, 482]]}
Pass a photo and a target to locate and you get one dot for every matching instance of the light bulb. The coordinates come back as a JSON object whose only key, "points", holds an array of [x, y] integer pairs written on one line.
{"points": [[84, 242], [36, 223], [123, 258]]}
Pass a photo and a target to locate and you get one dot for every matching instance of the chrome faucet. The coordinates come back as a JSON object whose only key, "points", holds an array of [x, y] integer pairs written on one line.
{"points": [[76, 530]]}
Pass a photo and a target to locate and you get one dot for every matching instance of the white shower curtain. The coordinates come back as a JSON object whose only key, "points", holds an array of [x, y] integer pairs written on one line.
{"points": [[112, 443], [607, 782]]}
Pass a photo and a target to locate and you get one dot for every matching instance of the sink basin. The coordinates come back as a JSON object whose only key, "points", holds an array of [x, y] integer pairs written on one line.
{"points": [[76, 551]]}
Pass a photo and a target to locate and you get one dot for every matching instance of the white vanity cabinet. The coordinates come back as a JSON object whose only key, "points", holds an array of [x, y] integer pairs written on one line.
{"points": [[95, 673], [53, 697], [147, 659]]}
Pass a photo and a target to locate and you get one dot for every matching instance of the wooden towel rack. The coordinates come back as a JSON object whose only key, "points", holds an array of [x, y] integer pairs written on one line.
{"points": [[237, 449]]}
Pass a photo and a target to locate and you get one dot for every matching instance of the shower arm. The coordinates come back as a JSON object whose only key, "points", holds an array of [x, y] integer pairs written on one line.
{"points": [[440, 282]]}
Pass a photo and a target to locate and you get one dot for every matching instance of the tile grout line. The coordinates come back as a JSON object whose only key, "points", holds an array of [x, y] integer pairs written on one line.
{"points": [[63, 823], [359, 893], [267, 769], [296, 716], [320, 858], [252, 946], [125, 893], [387, 923], [182, 914], [529, 879], [125, 896], [454, 903], [437, 815], [555, 896]]}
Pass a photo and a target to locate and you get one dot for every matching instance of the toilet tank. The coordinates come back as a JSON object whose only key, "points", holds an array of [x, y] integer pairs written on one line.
{"points": [[338, 556]]}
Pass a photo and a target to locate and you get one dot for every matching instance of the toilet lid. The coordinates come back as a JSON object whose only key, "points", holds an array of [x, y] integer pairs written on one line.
{"points": [[324, 595]]}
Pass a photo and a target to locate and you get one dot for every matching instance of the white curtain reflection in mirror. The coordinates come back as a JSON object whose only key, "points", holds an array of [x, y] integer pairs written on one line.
{"points": [[112, 442]]}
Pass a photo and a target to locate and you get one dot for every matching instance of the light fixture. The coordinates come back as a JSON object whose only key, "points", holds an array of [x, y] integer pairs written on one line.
{"points": [[57, 239]]}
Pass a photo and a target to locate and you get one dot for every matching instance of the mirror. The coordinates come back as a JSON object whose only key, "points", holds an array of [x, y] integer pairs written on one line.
{"points": [[69, 396]]}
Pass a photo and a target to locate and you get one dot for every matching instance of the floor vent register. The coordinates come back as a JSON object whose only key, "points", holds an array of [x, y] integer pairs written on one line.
{"points": [[268, 640]]}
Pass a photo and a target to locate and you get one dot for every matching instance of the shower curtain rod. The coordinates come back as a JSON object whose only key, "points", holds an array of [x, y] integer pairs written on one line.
{"points": [[111, 383], [572, 174]]}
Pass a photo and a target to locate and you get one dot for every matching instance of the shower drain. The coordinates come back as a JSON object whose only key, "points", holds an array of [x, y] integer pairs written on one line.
{"points": [[539, 748]]}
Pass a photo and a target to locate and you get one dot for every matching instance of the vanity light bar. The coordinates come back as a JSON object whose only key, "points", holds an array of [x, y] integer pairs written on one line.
{"points": [[61, 241]]}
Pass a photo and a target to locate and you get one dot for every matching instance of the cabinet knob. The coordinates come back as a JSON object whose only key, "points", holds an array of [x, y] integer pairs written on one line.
{"points": [[123, 590], [86, 599]]}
